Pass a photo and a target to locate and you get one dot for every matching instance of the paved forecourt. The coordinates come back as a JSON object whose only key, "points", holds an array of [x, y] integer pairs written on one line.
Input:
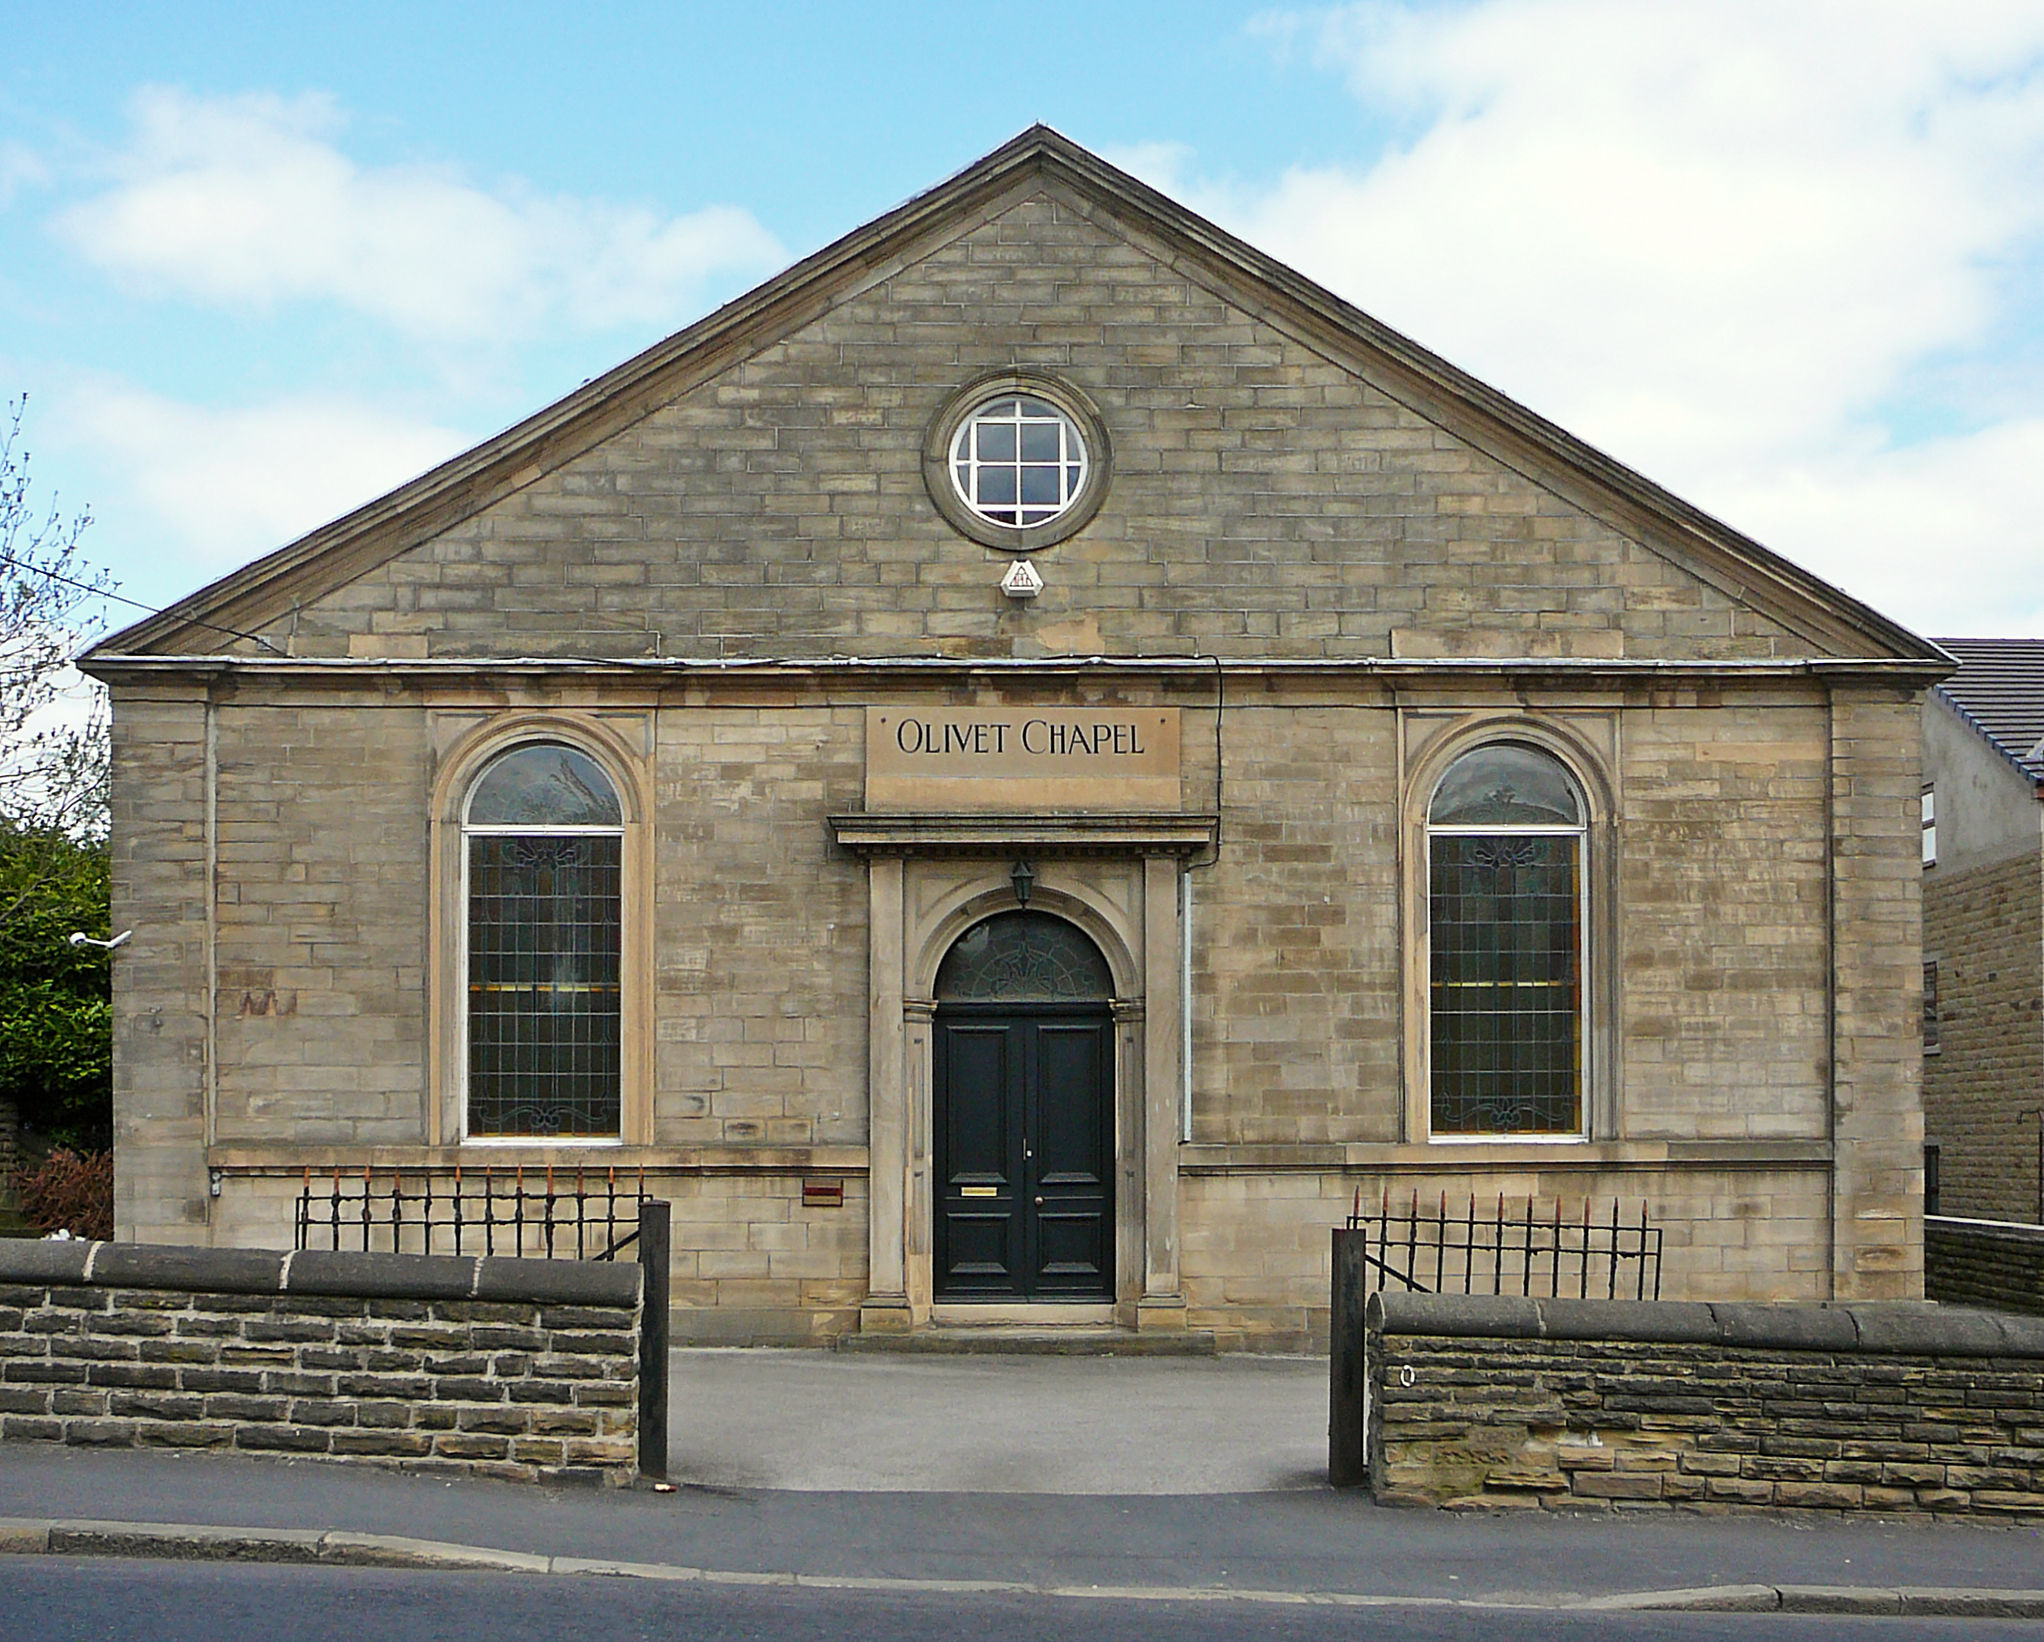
{"points": [[822, 1421]]}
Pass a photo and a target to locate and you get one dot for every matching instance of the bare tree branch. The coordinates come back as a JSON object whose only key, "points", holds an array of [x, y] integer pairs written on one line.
{"points": [[53, 761]]}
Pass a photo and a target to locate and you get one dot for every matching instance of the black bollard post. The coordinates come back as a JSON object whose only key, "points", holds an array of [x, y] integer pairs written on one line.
{"points": [[653, 1263], [1347, 1460]]}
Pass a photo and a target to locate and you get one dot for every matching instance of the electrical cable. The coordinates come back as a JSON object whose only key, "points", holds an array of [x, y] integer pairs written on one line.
{"points": [[137, 604]]}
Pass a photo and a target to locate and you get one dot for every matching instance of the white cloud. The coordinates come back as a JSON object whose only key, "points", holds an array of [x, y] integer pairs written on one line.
{"points": [[250, 200], [233, 484], [1163, 165], [20, 167], [1713, 238], [1945, 535]]}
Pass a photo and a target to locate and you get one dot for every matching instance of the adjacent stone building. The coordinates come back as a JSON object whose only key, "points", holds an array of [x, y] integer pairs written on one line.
{"points": [[1045, 720], [1983, 930]]}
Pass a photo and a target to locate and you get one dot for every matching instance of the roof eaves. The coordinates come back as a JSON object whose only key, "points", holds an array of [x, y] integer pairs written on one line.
{"points": [[2030, 767]]}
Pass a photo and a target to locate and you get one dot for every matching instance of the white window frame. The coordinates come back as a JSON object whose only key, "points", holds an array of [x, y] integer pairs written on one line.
{"points": [[965, 453], [460, 1046], [1580, 832]]}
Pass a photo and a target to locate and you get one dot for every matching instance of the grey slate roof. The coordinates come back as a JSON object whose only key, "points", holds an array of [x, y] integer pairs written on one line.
{"points": [[1999, 689]]}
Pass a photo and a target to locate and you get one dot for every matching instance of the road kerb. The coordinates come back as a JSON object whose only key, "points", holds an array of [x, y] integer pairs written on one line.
{"points": [[32, 1536]]}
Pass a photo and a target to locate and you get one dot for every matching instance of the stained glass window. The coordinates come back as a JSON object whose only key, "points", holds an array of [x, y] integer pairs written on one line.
{"points": [[1024, 957], [544, 785], [544, 857], [1505, 900]]}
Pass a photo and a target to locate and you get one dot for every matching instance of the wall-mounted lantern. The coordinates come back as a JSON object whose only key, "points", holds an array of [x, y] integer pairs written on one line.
{"points": [[1024, 881]]}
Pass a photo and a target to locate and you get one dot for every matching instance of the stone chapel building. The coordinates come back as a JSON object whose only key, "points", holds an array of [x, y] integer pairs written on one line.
{"points": [[1049, 724]]}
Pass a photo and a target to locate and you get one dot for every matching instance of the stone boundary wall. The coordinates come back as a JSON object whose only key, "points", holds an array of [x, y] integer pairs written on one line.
{"points": [[1994, 1263], [1478, 1402], [512, 1368]]}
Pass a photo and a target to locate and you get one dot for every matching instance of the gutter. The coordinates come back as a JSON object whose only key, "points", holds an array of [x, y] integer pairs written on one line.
{"points": [[1909, 672]]}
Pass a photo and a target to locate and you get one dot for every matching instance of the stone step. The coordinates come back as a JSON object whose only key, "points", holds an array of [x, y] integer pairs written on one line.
{"points": [[1061, 1340]]}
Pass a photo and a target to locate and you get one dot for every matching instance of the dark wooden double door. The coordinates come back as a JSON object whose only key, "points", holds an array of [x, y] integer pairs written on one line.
{"points": [[1024, 1110]]}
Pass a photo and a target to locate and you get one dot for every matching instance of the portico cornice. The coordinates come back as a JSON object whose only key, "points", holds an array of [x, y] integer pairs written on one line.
{"points": [[1045, 834]]}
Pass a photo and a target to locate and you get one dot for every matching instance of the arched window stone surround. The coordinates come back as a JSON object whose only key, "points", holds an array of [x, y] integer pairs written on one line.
{"points": [[465, 744], [1586, 745]]}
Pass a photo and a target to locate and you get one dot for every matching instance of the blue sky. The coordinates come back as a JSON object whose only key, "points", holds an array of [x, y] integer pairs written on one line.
{"points": [[261, 263]]}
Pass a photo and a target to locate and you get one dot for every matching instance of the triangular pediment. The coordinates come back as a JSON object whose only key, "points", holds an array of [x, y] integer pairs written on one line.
{"points": [[1250, 406]]}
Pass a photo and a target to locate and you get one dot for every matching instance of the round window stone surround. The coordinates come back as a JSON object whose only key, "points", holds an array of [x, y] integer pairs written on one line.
{"points": [[941, 439]]}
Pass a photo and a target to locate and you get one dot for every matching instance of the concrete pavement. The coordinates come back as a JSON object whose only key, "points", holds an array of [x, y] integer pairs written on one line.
{"points": [[823, 1421]]}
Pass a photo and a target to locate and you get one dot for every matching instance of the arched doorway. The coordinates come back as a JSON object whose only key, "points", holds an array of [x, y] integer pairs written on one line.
{"points": [[1024, 1114]]}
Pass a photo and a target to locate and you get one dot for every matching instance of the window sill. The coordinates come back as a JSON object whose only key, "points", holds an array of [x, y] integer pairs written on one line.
{"points": [[1506, 1140], [292, 1160], [1364, 1157]]}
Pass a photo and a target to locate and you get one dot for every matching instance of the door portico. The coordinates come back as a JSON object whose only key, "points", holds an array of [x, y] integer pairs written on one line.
{"points": [[1117, 878]]}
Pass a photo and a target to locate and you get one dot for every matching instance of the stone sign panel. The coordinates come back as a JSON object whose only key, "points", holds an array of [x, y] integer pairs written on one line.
{"points": [[1021, 758]]}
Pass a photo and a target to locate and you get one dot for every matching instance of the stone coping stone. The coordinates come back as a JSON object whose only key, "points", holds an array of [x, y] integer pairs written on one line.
{"points": [[343, 1274], [43, 1262], [173, 1266], [570, 1282], [1987, 1231], [1897, 1329], [382, 1276]]}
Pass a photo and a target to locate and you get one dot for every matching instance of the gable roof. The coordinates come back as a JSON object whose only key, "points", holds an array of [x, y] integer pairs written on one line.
{"points": [[1039, 160], [1999, 690]]}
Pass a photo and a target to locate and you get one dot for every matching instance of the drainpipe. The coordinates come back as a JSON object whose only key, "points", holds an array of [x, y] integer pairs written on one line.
{"points": [[1185, 1006], [2022, 1117]]}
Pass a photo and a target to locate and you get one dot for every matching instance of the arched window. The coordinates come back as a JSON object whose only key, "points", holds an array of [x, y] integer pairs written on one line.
{"points": [[1023, 957], [1505, 842], [543, 840]]}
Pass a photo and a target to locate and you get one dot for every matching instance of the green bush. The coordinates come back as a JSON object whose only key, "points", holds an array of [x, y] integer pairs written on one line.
{"points": [[56, 1017]]}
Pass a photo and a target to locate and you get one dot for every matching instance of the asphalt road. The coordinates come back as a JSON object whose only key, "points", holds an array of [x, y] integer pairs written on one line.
{"points": [[50, 1599]]}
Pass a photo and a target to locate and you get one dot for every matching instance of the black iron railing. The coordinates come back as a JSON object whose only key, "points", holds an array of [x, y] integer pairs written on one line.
{"points": [[543, 1214], [1550, 1253]]}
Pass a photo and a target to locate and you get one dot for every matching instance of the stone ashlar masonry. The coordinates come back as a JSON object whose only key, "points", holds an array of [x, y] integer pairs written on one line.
{"points": [[524, 1369], [1479, 1402], [1984, 1263], [1984, 929]]}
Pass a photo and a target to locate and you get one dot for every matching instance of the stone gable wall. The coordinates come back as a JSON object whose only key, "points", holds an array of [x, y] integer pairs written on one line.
{"points": [[159, 872], [1985, 929], [1721, 908], [1295, 928], [1256, 1241], [760, 967], [760, 1004], [760, 928], [320, 1010], [1266, 501], [1876, 1043], [1267, 504]]}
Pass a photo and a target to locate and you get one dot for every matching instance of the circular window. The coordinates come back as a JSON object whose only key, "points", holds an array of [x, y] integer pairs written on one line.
{"points": [[1016, 461], [1019, 461]]}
